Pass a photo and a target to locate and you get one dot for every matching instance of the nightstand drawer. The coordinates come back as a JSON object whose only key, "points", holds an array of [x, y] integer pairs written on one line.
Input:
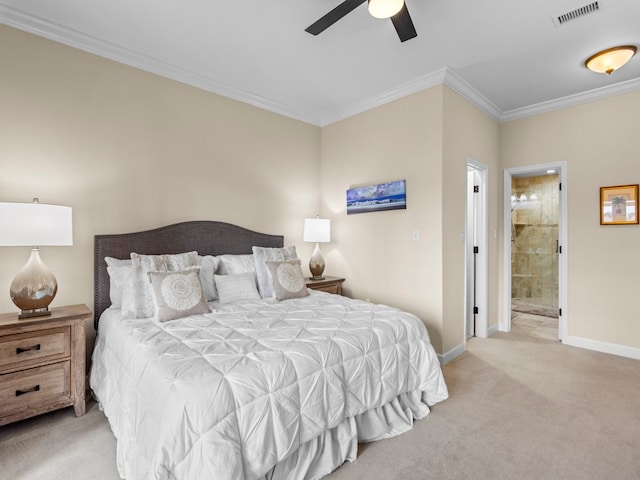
{"points": [[326, 284], [335, 289], [30, 388], [42, 363], [24, 349]]}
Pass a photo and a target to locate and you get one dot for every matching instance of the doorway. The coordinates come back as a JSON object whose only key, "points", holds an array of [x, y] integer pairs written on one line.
{"points": [[476, 251], [534, 236]]}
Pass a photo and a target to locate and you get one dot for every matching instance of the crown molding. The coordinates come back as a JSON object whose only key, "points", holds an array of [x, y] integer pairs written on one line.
{"points": [[448, 77], [601, 93], [57, 33], [444, 76], [455, 82], [407, 88], [87, 43]]}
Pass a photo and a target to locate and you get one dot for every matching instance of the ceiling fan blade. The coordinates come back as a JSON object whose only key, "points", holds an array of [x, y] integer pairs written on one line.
{"points": [[404, 25], [333, 16]]}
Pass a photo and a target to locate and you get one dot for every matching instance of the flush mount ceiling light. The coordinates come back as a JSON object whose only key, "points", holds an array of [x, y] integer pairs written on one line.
{"points": [[384, 8], [610, 60]]}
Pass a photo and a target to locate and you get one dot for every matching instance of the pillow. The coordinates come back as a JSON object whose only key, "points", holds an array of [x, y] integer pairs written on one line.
{"points": [[120, 279], [117, 262], [178, 294], [261, 256], [128, 302], [234, 264], [208, 265], [232, 288], [143, 305], [287, 279]]}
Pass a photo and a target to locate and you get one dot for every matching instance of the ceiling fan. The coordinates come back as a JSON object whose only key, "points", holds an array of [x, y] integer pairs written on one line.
{"points": [[394, 9]]}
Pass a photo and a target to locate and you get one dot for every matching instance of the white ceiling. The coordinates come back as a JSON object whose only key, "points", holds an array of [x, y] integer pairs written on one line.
{"points": [[506, 56]]}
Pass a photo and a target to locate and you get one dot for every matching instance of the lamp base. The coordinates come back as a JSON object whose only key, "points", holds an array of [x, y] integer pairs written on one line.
{"points": [[37, 312], [316, 264], [34, 287]]}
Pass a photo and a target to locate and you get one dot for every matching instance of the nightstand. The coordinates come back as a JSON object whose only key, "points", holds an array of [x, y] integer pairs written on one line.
{"points": [[328, 284], [42, 363]]}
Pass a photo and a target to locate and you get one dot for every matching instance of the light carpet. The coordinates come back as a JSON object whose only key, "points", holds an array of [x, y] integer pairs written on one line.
{"points": [[520, 407]]}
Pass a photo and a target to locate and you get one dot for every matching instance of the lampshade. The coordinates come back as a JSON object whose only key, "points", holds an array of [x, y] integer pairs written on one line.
{"points": [[610, 60], [317, 230], [34, 224], [384, 8]]}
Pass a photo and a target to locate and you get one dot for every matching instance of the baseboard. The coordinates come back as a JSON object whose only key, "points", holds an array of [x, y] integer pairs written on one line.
{"points": [[460, 349], [604, 347], [493, 329], [586, 343], [451, 354]]}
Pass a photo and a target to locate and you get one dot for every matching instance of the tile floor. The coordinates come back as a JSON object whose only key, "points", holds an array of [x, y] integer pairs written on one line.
{"points": [[535, 325]]}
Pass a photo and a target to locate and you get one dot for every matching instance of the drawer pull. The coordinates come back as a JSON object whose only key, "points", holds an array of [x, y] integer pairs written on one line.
{"points": [[32, 349], [22, 392]]}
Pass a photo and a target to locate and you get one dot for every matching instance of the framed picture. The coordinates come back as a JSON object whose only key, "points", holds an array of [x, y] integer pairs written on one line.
{"points": [[618, 205], [375, 198]]}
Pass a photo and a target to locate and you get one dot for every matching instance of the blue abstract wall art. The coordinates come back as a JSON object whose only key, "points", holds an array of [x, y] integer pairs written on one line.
{"points": [[376, 198]]}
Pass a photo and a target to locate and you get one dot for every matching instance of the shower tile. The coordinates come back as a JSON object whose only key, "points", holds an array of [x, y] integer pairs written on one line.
{"points": [[534, 257], [522, 264]]}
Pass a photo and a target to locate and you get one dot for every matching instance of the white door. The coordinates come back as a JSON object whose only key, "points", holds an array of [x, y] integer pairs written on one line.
{"points": [[473, 188], [476, 255]]}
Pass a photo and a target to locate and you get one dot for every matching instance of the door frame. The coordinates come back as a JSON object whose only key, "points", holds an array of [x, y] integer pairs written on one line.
{"points": [[561, 169], [482, 263]]}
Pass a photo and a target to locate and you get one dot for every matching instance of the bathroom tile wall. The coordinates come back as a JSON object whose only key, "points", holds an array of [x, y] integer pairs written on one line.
{"points": [[534, 236]]}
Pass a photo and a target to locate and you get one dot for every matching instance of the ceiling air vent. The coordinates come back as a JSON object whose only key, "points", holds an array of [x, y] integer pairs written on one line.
{"points": [[573, 14]]}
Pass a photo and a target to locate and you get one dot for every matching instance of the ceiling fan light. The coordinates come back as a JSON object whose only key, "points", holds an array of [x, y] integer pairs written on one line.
{"points": [[384, 8], [610, 60]]}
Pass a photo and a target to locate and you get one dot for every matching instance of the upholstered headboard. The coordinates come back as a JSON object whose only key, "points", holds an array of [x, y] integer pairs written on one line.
{"points": [[205, 237]]}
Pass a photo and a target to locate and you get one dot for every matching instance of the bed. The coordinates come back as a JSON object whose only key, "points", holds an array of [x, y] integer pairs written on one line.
{"points": [[258, 388]]}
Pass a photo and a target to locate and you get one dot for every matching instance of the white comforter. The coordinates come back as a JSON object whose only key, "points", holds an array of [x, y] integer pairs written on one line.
{"points": [[230, 394]]}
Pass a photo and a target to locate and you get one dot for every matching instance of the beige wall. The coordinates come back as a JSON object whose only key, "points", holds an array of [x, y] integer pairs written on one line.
{"points": [[375, 251], [599, 142], [424, 138], [468, 132], [130, 150]]}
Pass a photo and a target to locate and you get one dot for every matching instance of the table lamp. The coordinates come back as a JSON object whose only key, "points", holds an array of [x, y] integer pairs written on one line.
{"points": [[36, 225], [317, 230]]}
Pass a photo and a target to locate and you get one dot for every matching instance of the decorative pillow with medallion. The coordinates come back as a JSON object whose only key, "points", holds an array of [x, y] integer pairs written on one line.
{"points": [[262, 255], [143, 304], [178, 294], [287, 279]]}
